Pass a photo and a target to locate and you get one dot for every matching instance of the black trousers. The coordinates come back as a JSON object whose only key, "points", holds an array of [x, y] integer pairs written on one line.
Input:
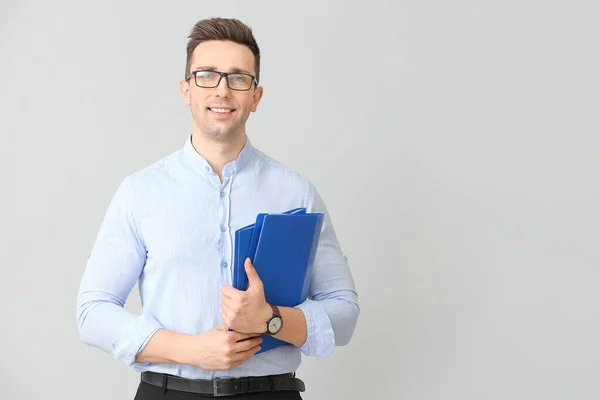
{"points": [[150, 392]]}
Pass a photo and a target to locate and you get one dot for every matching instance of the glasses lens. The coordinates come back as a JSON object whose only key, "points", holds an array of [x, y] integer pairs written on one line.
{"points": [[207, 78], [240, 81]]}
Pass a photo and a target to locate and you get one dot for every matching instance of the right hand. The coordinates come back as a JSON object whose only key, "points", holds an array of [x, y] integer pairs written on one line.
{"points": [[221, 349]]}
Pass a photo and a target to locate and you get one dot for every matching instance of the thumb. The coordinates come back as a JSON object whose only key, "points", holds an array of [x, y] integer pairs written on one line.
{"points": [[251, 272]]}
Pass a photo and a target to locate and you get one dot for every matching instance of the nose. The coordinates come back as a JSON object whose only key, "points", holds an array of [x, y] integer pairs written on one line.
{"points": [[223, 89]]}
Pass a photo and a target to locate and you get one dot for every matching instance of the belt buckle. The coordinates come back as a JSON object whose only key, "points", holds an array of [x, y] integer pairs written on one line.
{"points": [[216, 386]]}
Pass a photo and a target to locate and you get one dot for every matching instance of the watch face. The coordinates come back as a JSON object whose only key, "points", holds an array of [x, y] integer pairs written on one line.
{"points": [[275, 325]]}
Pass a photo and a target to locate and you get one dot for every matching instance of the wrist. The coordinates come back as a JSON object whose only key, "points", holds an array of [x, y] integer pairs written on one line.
{"points": [[180, 351], [265, 316], [275, 322], [165, 347]]}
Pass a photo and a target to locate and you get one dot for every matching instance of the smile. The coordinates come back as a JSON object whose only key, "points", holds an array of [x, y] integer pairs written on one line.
{"points": [[221, 110]]}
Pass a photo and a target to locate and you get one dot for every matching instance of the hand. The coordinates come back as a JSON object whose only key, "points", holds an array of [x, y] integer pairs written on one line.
{"points": [[246, 311], [220, 349]]}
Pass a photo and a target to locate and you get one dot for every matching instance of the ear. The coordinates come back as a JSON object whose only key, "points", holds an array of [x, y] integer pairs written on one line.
{"points": [[184, 89], [258, 92]]}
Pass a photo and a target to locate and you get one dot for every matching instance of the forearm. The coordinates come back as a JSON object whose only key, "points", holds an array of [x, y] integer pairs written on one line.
{"points": [[106, 325], [114, 265], [165, 347], [342, 316], [100, 319], [330, 322], [294, 329]]}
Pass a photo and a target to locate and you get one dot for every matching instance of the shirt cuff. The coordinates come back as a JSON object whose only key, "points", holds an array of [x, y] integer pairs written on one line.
{"points": [[320, 340], [134, 337]]}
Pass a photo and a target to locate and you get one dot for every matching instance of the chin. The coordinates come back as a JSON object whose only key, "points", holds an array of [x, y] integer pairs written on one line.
{"points": [[219, 133]]}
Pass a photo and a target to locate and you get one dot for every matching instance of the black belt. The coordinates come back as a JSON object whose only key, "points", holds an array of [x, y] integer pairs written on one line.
{"points": [[225, 386]]}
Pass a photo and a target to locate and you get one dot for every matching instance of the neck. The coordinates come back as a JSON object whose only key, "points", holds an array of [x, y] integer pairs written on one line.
{"points": [[218, 153]]}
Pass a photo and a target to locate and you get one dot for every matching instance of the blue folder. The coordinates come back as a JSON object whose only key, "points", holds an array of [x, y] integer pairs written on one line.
{"points": [[282, 249], [246, 244]]}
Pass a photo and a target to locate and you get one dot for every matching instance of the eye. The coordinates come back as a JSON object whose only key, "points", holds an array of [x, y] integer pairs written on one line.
{"points": [[205, 75]]}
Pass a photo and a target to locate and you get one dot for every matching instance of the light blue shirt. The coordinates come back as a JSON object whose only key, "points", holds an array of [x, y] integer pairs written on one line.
{"points": [[171, 226]]}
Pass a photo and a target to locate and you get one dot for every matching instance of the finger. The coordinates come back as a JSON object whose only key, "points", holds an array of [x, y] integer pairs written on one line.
{"points": [[229, 292], [226, 319], [221, 327], [227, 304], [244, 356], [247, 344], [236, 364], [229, 307], [238, 336], [252, 351], [228, 313]]}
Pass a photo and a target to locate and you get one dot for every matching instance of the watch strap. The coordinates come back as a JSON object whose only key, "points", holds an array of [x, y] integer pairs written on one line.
{"points": [[275, 310]]}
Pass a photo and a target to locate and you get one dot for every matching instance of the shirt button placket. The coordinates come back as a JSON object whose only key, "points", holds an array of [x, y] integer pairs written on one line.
{"points": [[224, 200]]}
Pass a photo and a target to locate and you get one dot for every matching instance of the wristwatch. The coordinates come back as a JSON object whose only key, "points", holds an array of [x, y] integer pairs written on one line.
{"points": [[274, 323]]}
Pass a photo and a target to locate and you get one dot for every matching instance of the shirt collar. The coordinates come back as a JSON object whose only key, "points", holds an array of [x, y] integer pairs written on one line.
{"points": [[200, 164]]}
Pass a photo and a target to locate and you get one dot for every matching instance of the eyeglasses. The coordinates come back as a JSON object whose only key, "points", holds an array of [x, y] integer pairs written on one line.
{"points": [[211, 79]]}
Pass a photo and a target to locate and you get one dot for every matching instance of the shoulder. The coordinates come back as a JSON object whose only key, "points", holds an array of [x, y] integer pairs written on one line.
{"points": [[269, 165], [153, 177], [159, 169], [271, 168], [277, 174]]}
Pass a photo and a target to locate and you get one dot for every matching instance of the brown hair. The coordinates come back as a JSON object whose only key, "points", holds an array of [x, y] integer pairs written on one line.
{"points": [[222, 29]]}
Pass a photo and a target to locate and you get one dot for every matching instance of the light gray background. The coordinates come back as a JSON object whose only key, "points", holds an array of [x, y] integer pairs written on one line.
{"points": [[455, 143]]}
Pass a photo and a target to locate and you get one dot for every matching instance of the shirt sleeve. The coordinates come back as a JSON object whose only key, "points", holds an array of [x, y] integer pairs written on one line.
{"points": [[332, 308], [113, 267]]}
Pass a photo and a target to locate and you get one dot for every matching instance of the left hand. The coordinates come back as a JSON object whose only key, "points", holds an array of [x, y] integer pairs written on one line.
{"points": [[246, 311]]}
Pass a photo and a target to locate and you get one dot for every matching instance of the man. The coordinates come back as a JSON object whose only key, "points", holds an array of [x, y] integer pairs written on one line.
{"points": [[171, 226]]}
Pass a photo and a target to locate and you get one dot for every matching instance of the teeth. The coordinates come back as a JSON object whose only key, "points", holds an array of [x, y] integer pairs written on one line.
{"points": [[221, 110]]}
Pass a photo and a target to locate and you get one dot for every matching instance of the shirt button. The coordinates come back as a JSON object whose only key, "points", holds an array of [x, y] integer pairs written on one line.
{"points": [[224, 264], [223, 228], [222, 194]]}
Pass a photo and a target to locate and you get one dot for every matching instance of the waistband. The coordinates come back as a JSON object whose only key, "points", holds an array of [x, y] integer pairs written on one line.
{"points": [[225, 386]]}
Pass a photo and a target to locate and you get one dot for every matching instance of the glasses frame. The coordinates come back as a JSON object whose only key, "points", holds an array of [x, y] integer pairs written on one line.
{"points": [[221, 75]]}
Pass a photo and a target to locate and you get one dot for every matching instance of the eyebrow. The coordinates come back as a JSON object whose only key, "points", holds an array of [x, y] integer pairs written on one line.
{"points": [[213, 68]]}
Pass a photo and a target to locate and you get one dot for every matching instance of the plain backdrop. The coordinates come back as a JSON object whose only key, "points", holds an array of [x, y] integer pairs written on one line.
{"points": [[454, 142]]}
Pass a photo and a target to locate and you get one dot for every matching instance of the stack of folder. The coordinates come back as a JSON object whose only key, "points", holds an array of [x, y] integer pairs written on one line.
{"points": [[282, 249]]}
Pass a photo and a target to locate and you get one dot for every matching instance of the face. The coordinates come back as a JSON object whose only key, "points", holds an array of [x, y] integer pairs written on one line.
{"points": [[221, 113]]}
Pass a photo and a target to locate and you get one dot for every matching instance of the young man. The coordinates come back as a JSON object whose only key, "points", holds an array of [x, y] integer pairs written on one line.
{"points": [[171, 226]]}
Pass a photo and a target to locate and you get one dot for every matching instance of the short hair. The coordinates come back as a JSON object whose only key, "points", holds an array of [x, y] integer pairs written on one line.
{"points": [[222, 29]]}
